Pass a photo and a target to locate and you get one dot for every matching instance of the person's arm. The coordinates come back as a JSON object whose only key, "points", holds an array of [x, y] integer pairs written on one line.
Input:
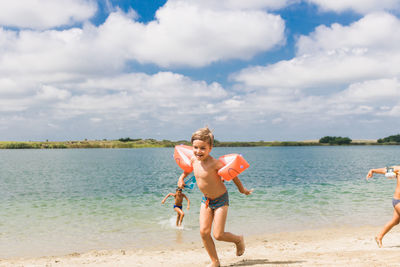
{"points": [[167, 196], [240, 186], [379, 171], [181, 182], [188, 201]]}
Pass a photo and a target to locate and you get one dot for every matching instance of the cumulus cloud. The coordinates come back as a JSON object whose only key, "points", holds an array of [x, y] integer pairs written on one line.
{"points": [[44, 14], [359, 6], [49, 77], [336, 55], [379, 91], [338, 72], [143, 94], [79, 73], [188, 34], [374, 32], [47, 92], [182, 34], [374, 97], [124, 97], [62, 54]]}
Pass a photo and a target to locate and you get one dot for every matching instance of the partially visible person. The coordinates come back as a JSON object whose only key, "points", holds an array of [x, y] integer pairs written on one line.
{"points": [[391, 173]]}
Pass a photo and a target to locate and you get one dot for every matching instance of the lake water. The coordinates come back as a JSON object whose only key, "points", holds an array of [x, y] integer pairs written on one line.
{"points": [[55, 202]]}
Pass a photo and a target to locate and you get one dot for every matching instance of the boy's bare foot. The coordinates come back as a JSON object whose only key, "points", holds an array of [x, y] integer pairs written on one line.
{"points": [[240, 247], [378, 241], [214, 264]]}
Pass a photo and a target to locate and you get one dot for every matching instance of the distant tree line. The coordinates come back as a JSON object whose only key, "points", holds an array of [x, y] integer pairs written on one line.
{"points": [[128, 139], [390, 139], [335, 140], [128, 142]]}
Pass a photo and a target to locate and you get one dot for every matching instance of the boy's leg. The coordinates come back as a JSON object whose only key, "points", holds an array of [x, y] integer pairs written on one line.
{"points": [[179, 218], [220, 215], [394, 221], [206, 219]]}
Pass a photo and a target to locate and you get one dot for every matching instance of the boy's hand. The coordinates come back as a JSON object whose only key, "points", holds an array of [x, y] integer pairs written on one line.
{"points": [[246, 191], [181, 184]]}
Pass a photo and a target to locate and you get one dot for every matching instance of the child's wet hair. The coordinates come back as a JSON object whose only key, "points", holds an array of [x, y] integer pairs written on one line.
{"points": [[203, 134]]}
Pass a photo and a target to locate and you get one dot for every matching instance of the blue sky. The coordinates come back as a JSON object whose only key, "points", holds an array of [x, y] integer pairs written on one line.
{"points": [[250, 70]]}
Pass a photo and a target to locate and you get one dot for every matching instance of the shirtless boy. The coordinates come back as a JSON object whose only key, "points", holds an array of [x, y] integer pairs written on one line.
{"points": [[178, 204], [215, 203]]}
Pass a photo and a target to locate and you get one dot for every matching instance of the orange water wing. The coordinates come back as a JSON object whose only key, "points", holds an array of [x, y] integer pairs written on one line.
{"points": [[182, 156]]}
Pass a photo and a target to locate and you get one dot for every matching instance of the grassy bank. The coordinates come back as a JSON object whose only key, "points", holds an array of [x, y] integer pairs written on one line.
{"points": [[84, 144], [142, 143]]}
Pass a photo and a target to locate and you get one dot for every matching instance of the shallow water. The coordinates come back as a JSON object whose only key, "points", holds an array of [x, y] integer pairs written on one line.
{"points": [[55, 202]]}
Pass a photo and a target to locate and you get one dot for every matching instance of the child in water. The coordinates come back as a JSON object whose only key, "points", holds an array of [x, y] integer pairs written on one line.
{"points": [[394, 174], [178, 204], [214, 204]]}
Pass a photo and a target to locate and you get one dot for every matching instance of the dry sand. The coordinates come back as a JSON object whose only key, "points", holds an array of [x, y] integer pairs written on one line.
{"points": [[321, 247]]}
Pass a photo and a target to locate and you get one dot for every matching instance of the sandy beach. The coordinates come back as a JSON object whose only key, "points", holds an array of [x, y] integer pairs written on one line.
{"points": [[322, 247]]}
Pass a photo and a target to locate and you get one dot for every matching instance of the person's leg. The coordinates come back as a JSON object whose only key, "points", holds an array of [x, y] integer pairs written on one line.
{"points": [[389, 225], [206, 219], [179, 217], [220, 215]]}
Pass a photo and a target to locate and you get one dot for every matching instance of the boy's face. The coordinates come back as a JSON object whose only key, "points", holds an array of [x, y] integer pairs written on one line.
{"points": [[201, 149]]}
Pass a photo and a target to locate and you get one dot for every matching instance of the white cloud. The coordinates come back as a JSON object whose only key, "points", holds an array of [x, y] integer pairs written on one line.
{"points": [[54, 76], [375, 91], [359, 6], [79, 75], [162, 96], [187, 34], [96, 120], [183, 34], [335, 56], [8, 105], [374, 32], [340, 74], [375, 97], [47, 92], [44, 14], [394, 111]]}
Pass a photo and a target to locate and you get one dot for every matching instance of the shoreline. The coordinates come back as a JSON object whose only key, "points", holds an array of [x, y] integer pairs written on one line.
{"points": [[345, 246], [152, 143]]}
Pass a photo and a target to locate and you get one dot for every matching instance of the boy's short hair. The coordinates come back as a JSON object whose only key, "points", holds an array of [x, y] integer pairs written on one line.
{"points": [[203, 134], [179, 189]]}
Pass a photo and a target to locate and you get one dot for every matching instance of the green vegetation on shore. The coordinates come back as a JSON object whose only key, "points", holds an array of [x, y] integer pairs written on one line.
{"points": [[137, 143], [335, 140], [142, 143], [393, 139]]}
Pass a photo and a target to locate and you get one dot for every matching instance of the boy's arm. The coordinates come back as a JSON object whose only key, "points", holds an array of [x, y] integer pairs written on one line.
{"points": [[181, 183], [167, 196], [240, 186], [188, 201]]}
